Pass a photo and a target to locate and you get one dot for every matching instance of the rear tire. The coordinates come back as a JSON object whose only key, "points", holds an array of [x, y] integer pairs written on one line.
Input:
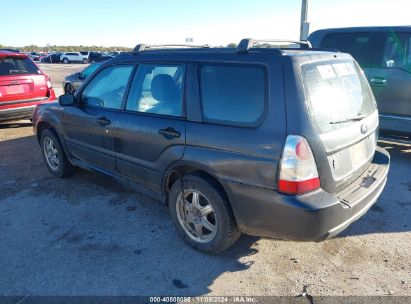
{"points": [[85, 60], [223, 231], [54, 155], [65, 60]]}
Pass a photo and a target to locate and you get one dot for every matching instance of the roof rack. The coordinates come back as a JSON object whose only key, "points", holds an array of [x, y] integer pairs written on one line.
{"points": [[142, 47], [246, 44]]}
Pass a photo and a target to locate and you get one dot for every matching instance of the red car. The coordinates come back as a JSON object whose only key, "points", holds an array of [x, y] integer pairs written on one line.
{"points": [[22, 86]]}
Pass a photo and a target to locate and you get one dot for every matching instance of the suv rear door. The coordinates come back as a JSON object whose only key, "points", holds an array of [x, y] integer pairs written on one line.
{"points": [[151, 130], [20, 80], [343, 114]]}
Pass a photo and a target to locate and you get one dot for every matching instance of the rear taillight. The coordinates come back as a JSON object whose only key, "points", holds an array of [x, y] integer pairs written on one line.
{"points": [[49, 84], [298, 171]]}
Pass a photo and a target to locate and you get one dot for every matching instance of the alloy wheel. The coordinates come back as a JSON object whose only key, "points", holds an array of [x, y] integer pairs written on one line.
{"points": [[196, 216], [51, 153]]}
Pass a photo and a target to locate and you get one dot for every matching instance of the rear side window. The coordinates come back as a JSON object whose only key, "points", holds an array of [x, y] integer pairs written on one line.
{"points": [[356, 44], [337, 92], [397, 53], [157, 89], [233, 94], [17, 66]]}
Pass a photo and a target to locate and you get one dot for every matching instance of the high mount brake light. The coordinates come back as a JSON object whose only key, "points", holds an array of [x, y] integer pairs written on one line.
{"points": [[298, 171]]}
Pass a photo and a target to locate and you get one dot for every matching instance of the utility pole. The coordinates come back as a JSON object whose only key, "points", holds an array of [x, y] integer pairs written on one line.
{"points": [[189, 40], [304, 25]]}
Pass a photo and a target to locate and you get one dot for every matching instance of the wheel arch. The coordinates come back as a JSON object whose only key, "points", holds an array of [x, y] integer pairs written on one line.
{"points": [[43, 125], [180, 168]]}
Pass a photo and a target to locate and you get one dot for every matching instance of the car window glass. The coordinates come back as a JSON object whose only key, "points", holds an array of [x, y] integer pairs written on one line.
{"points": [[107, 88], [157, 89], [356, 44], [346, 83], [17, 66], [232, 93], [397, 52], [89, 70]]}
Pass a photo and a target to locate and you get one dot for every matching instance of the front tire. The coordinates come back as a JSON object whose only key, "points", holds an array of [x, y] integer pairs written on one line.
{"points": [[65, 60], [204, 218], [54, 155], [85, 60]]}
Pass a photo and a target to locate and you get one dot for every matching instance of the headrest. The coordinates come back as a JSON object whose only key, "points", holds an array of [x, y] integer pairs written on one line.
{"points": [[163, 87]]}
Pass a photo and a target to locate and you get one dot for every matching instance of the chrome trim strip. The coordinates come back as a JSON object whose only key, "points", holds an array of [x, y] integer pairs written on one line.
{"points": [[17, 109], [395, 117], [7, 103]]}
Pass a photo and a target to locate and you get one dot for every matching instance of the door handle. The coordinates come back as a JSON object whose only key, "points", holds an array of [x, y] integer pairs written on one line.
{"points": [[378, 82], [169, 133], [103, 121]]}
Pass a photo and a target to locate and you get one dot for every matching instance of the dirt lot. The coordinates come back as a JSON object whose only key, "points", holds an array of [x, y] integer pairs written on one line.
{"points": [[87, 235]]}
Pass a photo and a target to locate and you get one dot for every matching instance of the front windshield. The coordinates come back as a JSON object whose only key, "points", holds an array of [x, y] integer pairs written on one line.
{"points": [[89, 70]]}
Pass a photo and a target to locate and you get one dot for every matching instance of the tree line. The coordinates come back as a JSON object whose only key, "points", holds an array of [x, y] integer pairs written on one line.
{"points": [[67, 48], [79, 48]]}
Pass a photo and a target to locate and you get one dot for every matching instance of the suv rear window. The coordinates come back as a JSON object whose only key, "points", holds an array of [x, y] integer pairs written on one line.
{"points": [[232, 94], [337, 91], [17, 66]]}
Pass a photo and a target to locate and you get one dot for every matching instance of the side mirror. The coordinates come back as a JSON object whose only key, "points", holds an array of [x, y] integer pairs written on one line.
{"points": [[67, 100]]}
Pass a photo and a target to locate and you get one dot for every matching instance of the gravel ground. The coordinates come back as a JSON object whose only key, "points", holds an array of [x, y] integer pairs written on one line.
{"points": [[87, 235]]}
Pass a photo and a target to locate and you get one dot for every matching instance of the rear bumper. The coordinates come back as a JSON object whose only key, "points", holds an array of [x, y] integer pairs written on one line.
{"points": [[16, 113], [313, 216], [25, 110]]}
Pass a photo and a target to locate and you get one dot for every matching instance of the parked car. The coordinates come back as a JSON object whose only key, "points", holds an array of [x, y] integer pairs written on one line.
{"points": [[51, 58], [114, 53], [98, 57], [384, 53], [42, 57], [72, 82], [34, 56], [45, 58], [22, 86], [73, 57], [226, 141]]}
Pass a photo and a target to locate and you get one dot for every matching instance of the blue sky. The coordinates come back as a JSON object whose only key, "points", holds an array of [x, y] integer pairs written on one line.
{"points": [[216, 22]]}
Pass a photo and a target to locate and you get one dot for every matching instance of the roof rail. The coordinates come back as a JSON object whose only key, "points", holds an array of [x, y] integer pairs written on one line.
{"points": [[142, 47], [246, 44]]}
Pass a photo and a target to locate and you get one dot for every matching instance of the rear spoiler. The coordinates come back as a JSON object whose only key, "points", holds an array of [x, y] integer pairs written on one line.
{"points": [[7, 55]]}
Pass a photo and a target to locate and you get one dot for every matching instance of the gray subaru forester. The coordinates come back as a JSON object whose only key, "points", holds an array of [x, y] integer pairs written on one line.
{"points": [[271, 142]]}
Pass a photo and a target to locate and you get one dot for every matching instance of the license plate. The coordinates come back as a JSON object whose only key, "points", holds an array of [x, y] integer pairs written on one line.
{"points": [[358, 154], [15, 89]]}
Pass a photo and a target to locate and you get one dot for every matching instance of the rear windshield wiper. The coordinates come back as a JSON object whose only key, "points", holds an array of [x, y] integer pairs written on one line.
{"points": [[356, 118]]}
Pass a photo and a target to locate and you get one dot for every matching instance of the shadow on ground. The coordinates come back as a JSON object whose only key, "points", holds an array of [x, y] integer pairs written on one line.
{"points": [[88, 235]]}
